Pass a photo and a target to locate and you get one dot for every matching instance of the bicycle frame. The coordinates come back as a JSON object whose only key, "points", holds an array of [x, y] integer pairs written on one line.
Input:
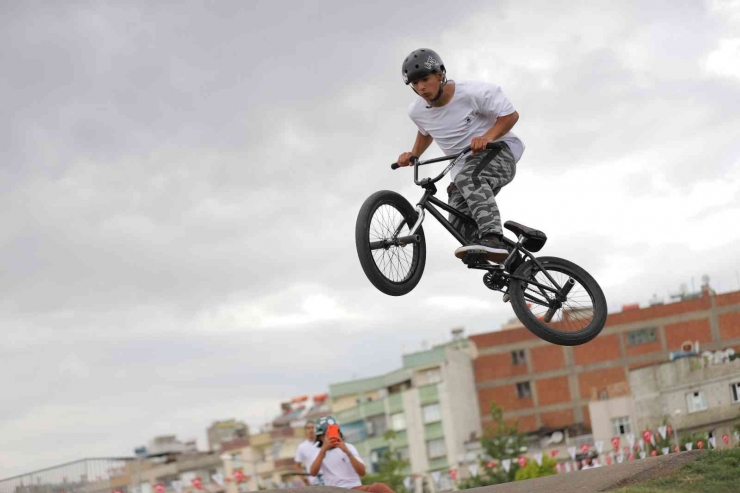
{"points": [[427, 203]]}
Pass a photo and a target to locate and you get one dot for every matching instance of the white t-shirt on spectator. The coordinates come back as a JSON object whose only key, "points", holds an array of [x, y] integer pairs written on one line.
{"points": [[305, 455], [472, 111], [337, 469]]}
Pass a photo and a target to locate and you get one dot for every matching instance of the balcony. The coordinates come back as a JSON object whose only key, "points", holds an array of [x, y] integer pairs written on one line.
{"points": [[282, 432]]}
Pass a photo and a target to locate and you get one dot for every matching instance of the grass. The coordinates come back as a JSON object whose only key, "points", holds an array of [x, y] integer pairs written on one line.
{"points": [[714, 472]]}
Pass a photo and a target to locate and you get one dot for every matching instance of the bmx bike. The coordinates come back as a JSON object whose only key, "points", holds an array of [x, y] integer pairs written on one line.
{"points": [[555, 299]]}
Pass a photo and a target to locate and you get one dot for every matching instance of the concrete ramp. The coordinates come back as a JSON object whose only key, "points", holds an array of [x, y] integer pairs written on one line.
{"points": [[589, 481], [600, 479]]}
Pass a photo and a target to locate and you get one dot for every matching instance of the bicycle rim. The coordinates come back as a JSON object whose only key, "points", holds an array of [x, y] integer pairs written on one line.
{"points": [[395, 262]]}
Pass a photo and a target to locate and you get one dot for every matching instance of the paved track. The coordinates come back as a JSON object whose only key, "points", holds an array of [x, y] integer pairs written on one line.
{"points": [[593, 480]]}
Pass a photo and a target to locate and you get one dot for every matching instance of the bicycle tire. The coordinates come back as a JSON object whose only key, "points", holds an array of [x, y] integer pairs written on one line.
{"points": [[548, 331], [389, 282]]}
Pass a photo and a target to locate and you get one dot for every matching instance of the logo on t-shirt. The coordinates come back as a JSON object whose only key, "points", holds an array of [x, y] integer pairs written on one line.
{"points": [[469, 119]]}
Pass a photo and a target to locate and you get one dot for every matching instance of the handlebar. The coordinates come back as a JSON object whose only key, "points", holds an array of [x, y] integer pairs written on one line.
{"points": [[415, 160], [453, 157]]}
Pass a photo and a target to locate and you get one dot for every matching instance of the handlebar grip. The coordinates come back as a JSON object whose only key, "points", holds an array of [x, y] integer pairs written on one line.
{"points": [[491, 145], [395, 166]]}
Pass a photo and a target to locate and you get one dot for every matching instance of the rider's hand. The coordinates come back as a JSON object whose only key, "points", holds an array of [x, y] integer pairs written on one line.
{"points": [[329, 443], [339, 443], [479, 144], [405, 159]]}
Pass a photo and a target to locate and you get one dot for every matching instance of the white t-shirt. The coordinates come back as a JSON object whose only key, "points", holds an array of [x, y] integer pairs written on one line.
{"points": [[472, 111], [337, 470], [305, 455]]}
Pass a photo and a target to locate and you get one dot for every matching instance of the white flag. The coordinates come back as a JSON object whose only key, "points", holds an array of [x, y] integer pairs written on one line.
{"points": [[473, 468], [572, 452], [631, 440], [641, 443], [713, 442], [689, 446], [652, 439], [407, 482], [666, 450], [218, 479], [567, 467], [620, 457], [662, 430], [177, 486], [599, 446], [538, 458], [507, 464], [737, 436], [643, 454], [435, 477]]}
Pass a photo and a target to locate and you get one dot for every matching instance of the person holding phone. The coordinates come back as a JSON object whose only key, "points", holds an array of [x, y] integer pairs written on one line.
{"points": [[338, 461]]}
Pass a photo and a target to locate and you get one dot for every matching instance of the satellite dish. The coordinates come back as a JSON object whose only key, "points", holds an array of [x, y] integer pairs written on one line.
{"points": [[730, 352], [556, 437]]}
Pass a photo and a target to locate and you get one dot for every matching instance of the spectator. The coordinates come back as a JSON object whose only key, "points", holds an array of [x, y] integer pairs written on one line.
{"points": [[339, 462], [306, 453]]}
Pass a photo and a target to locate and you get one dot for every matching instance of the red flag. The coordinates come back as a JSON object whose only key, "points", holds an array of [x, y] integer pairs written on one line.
{"points": [[553, 453], [197, 483], [726, 439], [631, 457], [676, 449], [654, 453], [584, 448], [238, 475], [669, 429], [615, 443], [646, 435], [159, 487], [491, 464], [608, 461], [700, 444], [453, 474], [522, 461]]}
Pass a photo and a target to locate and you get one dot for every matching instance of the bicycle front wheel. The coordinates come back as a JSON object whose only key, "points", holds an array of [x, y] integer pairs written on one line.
{"points": [[392, 260], [571, 321]]}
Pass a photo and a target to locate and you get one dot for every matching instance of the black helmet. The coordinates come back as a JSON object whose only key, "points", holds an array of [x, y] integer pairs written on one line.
{"points": [[421, 63]]}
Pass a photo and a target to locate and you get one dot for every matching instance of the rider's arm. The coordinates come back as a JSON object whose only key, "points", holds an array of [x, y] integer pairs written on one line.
{"points": [[358, 466], [316, 466], [503, 124], [422, 144]]}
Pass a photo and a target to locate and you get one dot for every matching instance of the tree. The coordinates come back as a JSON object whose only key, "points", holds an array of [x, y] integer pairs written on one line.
{"points": [[390, 468], [532, 470], [501, 441]]}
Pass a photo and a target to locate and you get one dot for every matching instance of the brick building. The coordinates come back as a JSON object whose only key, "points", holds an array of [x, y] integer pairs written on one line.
{"points": [[547, 387]]}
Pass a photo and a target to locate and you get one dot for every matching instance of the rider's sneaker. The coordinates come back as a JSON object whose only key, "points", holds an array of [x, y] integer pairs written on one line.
{"points": [[490, 247]]}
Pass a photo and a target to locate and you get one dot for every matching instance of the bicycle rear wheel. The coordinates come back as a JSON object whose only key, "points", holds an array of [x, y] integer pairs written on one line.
{"points": [[571, 321], [392, 261]]}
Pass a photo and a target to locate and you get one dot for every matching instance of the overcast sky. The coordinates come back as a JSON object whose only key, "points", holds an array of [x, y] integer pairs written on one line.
{"points": [[179, 184]]}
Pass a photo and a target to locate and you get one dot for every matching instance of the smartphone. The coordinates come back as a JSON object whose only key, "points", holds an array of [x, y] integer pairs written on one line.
{"points": [[332, 431]]}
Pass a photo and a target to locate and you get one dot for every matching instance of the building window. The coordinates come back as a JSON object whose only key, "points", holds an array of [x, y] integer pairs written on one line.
{"points": [[398, 421], [696, 401], [621, 425], [735, 392], [518, 357], [433, 375], [523, 390], [431, 413], [641, 336], [436, 448], [376, 425], [402, 453]]}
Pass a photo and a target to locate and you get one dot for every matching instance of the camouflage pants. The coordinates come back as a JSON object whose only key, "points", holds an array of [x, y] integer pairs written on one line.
{"points": [[475, 187]]}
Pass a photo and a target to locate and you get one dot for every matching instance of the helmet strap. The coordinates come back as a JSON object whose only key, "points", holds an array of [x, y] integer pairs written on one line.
{"points": [[441, 89]]}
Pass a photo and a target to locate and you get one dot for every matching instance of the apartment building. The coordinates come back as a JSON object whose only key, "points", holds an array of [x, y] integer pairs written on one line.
{"points": [[430, 403], [548, 388]]}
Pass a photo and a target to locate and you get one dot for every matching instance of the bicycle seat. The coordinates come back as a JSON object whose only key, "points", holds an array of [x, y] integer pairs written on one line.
{"points": [[535, 239]]}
